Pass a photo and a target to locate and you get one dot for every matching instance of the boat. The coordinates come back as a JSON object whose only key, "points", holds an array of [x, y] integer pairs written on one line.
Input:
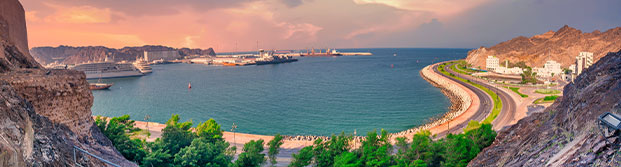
{"points": [[190, 85], [108, 69], [229, 64], [143, 66], [268, 58], [99, 86]]}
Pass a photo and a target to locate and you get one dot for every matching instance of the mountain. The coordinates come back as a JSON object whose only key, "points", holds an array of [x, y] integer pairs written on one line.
{"points": [[567, 132], [44, 113], [561, 46], [75, 55]]}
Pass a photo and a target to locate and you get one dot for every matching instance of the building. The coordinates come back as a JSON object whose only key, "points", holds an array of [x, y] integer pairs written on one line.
{"points": [[572, 68], [492, 63], [583, 61], [550, 69], [161, 55]]}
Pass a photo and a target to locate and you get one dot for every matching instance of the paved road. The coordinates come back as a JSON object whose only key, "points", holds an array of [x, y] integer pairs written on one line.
{"points": [[509, 106], [484, 109]]}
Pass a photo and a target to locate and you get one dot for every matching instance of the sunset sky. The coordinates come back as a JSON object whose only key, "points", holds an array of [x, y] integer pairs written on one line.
{"points": [[300, 24]]}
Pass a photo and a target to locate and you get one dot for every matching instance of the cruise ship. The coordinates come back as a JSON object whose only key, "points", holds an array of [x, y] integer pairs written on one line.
{"points": [[143, 66], [108, 69]]}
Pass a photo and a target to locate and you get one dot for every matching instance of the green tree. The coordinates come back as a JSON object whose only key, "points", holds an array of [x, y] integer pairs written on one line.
{"points": [[459, 150], [376, 149], [302, 158], [158, 158], [482, 136], [176, 135], [347, 159], [251, 155], [117, 130], [325, 152], [203, 152], [274, 148], [209, 130]]}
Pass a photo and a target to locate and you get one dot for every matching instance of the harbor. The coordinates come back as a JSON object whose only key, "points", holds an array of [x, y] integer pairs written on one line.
{"points": [[267, 94]]}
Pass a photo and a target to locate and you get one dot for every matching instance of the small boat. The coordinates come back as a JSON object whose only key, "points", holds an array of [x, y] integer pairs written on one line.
{"points": [[99, 86], [189, 85], [229, 64], [394, 54]]}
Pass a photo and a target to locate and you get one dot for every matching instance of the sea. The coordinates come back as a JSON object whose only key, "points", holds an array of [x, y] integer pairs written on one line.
{"points": [[313, 96]]}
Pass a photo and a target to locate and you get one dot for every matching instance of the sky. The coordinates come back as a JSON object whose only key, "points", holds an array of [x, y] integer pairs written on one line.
{"points": [[245, 25]]}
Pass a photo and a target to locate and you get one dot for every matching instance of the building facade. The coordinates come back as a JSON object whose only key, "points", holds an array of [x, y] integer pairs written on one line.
{"points": [[492, 63], [583, 61], [550, 69]]}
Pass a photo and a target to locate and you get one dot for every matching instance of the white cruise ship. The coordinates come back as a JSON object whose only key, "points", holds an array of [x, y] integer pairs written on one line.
{"points": [[142, 66], [108, 69]]}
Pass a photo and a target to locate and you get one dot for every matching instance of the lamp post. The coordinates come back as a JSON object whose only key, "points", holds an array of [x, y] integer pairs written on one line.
{"points": [[146, 119], [233, 130]]}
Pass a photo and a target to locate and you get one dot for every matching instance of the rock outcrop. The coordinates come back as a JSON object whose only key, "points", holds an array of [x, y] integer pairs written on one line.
{"points": [[43, 113], [566, 133], [561, 46], [75, 55], [13, 40]]}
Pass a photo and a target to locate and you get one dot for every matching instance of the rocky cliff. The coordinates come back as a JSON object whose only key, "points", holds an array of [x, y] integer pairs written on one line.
{"points": [[75, 55], [566, 133], [562, 46], [43, 113]]}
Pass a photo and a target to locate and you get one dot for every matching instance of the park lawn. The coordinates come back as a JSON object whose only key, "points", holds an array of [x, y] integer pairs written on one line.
{"points": [[516, 90], [547, 99], [547, 91]]}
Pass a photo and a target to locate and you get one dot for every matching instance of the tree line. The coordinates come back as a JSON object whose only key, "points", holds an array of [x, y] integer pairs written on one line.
{"points": [[180, 145]]}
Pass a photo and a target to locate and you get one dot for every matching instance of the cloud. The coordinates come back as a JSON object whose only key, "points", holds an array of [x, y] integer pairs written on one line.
{"points": [[439, 7], [292, 3], [293, 24], [79, 14]]}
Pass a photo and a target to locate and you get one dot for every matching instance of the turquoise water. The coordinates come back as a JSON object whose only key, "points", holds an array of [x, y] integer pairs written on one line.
{"points": [[314, 96]]}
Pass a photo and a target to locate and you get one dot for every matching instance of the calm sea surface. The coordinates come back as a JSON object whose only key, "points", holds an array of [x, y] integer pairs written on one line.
{"points": [[314, 96]]}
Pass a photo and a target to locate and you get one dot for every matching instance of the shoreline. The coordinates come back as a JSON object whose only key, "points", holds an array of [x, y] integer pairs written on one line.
{"points": [[461, 99]]}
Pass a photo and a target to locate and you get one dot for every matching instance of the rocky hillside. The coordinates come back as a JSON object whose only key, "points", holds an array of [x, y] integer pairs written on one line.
{"points": [[566, 133], [562, 46], [74, 55], [43, 113]]}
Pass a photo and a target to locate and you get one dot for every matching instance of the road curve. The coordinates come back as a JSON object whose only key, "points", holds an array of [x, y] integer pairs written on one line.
{"points": [[509, 106], [485, 107]]}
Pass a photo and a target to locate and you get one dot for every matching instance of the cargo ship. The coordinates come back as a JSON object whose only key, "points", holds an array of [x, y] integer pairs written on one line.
{"points": [[108, 69]]}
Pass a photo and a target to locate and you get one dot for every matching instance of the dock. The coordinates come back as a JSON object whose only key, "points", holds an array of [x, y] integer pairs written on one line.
{"points": [[356, 53]]}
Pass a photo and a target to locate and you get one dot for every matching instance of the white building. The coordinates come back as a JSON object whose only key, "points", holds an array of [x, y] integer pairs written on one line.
{"points": [[550, 69], [161, 55], [583, 61], [491, 63]]}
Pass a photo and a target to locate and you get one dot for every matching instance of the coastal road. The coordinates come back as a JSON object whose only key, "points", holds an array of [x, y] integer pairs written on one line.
{"points": [[509, 106], [484, 109]]}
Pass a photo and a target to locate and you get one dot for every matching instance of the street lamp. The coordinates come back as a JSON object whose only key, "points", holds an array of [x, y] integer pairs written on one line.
{"points": [[233, 130], [146, 119]]}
